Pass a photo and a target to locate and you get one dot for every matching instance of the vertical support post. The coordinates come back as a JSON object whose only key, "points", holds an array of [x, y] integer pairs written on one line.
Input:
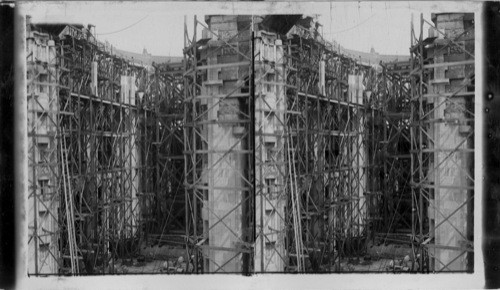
{"points": [[420, 124], [186, 185], [247, 258], [193, 137]]}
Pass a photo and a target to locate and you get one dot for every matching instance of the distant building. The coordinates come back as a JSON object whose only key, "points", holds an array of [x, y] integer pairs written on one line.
{"points": [[146, 58]]}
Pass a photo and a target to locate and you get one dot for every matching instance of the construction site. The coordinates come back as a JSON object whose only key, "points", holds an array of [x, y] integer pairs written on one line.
{"points": [[262, 148]]}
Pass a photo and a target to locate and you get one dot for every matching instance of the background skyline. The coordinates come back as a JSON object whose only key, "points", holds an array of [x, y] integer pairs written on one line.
{"points": [[158, 26]]}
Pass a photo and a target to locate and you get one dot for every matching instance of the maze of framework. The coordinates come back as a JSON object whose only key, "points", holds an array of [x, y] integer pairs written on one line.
{"points": [[323, 152]]}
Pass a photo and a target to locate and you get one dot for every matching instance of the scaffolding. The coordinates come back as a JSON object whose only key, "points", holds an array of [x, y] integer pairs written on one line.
{"points": [[43, 160], [219, 145], [168, 88], [271, 153], [318, 139], [396, 205], [442, 143], [265, 150], [330, 127], [105, 146]]}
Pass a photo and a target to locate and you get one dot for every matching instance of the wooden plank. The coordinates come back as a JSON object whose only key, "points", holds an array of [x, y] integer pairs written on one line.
{"points": [[448, 64], [223, 65], [215, 248]]}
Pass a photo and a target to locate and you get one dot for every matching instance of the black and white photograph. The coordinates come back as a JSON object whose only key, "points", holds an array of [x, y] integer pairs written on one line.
{"points": [[165, 141]]}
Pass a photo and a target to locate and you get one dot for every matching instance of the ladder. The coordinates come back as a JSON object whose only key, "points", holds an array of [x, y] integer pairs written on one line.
{"points": [[296, 211], [69, 205]]}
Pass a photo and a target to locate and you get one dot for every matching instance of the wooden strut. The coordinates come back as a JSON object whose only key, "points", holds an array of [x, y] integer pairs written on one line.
{"points": [[68, 199]]}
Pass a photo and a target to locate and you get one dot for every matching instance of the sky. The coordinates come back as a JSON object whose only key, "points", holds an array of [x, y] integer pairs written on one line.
{"points": [[159, 26], [385, 26]]}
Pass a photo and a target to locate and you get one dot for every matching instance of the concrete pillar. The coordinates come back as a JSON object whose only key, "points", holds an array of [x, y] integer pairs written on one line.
{"points": [[450, 130]]}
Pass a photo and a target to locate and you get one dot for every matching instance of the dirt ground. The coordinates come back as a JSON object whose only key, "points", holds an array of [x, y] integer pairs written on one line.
{"points": [[143, 268], [365, 266]]}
